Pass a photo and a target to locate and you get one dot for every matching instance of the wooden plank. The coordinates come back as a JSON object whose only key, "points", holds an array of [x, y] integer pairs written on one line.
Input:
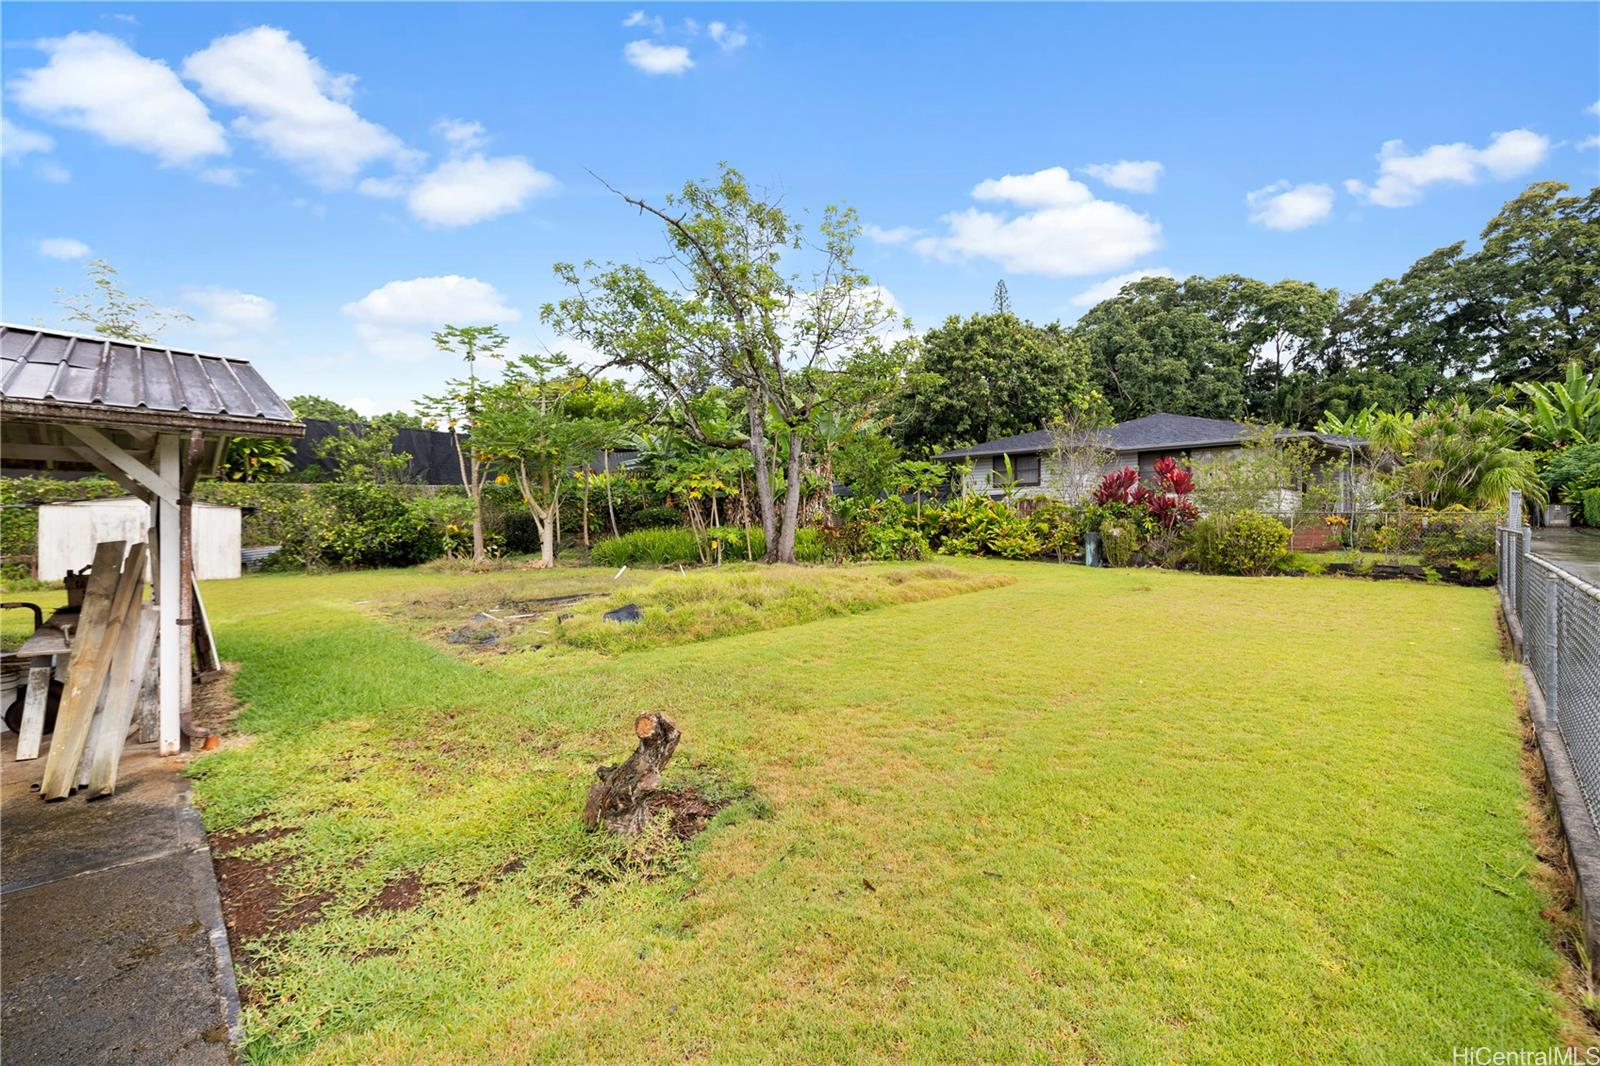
{"points": [[110, 710], [207, 661], [127, 677], [148, 711], [33, 708], [87, 674]]}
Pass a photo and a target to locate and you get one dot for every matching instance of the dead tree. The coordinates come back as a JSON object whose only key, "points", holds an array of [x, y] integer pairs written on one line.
{"points": [[621, 797]]}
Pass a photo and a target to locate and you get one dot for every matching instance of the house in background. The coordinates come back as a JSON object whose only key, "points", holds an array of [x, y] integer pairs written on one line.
{"points": [[1035, 470]]}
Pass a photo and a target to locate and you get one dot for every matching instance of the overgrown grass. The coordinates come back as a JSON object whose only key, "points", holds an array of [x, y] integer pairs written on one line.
{"points": [[1112, 816], [700, 606]]}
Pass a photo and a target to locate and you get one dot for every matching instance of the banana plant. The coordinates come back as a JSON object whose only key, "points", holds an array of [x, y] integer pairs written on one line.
{"points": [[1557, 414]]}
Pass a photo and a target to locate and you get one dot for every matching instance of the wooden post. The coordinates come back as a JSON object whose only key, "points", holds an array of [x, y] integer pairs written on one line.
{"points": [[174, 660]]}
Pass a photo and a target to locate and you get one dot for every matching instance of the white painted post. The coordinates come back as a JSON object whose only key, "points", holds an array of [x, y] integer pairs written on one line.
{"points": [[1514, 509], [172, 643]]}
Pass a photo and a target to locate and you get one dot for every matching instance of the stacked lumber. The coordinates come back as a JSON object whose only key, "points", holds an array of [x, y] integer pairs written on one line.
{"points": [[111, 655]]}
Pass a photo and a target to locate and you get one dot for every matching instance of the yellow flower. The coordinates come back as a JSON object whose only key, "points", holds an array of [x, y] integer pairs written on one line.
{"points": [[502, 479]]}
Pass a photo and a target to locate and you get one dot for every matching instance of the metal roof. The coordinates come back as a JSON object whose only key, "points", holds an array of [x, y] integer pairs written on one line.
{"points": [[1158, 432], [51, 374]]}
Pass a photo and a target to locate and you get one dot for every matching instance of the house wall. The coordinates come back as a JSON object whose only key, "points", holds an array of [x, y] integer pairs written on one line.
{"points": [[1055, 481]]}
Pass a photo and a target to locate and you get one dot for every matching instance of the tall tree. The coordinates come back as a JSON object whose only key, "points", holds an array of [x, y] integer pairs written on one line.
{"points": [[457, 409], [984, 377], [523, 422], [734, 314], [111, 312], [1152, 348], [320, 407]]}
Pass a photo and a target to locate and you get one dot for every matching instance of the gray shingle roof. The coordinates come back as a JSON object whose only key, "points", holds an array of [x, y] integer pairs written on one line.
{"points": [[45, 372], [1157, 432]]}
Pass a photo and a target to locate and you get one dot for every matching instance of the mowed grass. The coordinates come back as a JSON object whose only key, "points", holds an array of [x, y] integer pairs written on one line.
{"points": [[1111, 816]]}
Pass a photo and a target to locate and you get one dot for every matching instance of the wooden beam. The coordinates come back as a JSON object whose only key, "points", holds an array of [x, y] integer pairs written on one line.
{"points": [[162, 485], [93, 458]]}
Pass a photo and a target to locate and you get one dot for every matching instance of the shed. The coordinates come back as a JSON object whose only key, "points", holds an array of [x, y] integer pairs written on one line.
{"points": [[68, 533], [151, 418]]}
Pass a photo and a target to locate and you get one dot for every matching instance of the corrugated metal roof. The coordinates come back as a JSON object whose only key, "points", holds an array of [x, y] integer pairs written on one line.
{"points": [[52, 367]]}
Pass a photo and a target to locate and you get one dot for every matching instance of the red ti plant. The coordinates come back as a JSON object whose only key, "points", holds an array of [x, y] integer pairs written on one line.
{"points": [[1166, 500], [1119, 486]]}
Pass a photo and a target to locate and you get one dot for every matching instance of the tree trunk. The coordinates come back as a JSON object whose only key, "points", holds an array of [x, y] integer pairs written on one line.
{"points": [[620, 799], [791, 501], [758, 451], [610, 507], [547, 543], [586, 509]]}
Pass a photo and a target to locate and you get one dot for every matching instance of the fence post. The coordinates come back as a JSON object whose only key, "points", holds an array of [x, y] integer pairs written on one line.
{"points": [[1553, 644], [1514, 508]]}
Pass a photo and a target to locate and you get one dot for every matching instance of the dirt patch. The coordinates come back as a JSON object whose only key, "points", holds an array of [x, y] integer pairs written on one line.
{"points": [[255, 899], [213, 705], [505, 871], [691, 812], [399, 895]]}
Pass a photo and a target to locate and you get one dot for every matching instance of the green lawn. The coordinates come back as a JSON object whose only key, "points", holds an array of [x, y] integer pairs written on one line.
{"points": [[1109, 816]]}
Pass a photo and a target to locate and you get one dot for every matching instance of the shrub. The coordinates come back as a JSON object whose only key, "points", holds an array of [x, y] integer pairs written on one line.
{"points": [[1573, 471], [1237, 542], [1589, 507], [1120, 539], [668, 547], [1457, 538]]}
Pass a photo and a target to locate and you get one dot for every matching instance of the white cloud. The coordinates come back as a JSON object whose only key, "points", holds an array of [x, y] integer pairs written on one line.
{"points": [[1051, 187], [1105, 290], [1403, 177], [463, 191], [653, 23], [63, 248], [17, 143], [1588, 143], [396, 321], [891, 235], [727, 38], [220, 176], [229, 312], [292, 106], [96, 83], [382, 188], [655, 58], [1285, 206], [1128, 174], [463, 136], [1069, 233], [1594, 108], [50, 170]]}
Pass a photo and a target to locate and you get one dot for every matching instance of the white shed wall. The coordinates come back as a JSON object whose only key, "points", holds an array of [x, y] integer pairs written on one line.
{"points": [[68, 533]]}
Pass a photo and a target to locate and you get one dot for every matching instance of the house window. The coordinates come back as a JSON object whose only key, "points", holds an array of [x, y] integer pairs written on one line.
{"points": [[1024, 470]]}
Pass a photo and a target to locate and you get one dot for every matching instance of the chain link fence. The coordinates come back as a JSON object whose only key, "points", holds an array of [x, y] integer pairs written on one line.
{"points": [[1464, 540], [1559, 618]]}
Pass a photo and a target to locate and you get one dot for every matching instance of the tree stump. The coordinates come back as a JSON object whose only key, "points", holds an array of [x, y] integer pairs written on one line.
{"points": [[620, 799]]}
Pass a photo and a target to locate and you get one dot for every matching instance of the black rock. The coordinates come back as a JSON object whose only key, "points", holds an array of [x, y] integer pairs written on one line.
{"points": [[626, 613], [473, 635]]}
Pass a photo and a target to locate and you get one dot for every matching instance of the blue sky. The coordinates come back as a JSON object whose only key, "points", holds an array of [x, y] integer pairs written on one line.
{"points": [[320, 184]]}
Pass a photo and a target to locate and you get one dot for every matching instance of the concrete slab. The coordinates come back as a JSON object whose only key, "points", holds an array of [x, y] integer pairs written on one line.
{"points": [[1577, 551], [114, 949]]}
